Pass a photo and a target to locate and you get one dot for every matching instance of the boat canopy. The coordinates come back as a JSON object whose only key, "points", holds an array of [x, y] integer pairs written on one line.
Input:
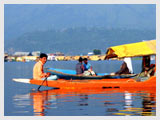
{"points": [[132, 50]]}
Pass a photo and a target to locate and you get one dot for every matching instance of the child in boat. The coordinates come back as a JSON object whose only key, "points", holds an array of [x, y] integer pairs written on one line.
{"points": [[38, 72], [87, 68]]}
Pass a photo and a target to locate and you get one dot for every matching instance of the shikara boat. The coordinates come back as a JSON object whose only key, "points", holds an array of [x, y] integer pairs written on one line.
{"points": [[71, 74], [145, 48], [88, 84]]}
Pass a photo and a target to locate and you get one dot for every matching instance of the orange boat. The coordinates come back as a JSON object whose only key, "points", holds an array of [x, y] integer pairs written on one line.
{"points": [[87, 84]]}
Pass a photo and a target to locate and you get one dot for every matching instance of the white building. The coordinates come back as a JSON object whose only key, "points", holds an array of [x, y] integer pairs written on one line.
{"points": [[90, 53], [51, 57]]}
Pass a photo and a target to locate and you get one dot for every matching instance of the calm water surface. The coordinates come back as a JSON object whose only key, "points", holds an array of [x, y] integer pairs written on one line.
{"points": [[24, 100]]}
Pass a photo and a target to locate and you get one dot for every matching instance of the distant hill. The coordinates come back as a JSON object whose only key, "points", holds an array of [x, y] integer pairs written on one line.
{"points": [[76, 28], [22, 18], [74, 41]]}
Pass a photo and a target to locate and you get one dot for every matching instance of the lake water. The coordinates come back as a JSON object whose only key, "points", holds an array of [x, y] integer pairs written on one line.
{"points": [[22, 99]]}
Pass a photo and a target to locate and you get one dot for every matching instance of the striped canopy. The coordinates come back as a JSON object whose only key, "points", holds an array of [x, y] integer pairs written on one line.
{"points": [[132, 50]]}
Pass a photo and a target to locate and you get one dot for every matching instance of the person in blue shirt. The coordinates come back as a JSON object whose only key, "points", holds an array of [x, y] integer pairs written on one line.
{"points": [[87, 68], [86, 65]]}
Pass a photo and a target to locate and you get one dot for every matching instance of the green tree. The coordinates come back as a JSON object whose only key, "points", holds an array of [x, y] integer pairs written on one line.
{"points": [[97, 51]]}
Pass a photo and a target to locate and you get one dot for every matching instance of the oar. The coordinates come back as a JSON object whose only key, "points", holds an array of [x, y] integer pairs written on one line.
{"points": [[42, 83]]}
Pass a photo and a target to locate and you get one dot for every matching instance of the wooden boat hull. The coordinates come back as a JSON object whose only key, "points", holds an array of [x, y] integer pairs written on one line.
{"points": [[90, 84], [71, 74]]}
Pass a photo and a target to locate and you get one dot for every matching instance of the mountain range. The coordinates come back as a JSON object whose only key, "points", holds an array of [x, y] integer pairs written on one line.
{"points": [[76, 28]]}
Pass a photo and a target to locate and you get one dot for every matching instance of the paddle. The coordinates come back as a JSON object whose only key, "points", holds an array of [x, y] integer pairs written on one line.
{"points": [[42, 83]]}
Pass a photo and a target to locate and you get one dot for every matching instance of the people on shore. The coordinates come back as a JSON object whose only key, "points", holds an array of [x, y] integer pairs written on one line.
{"points": [[79, 67], [38, 72]]}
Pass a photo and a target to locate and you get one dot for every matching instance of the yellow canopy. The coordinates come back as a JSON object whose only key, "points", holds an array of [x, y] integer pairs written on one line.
{"points": [[132, 50]]}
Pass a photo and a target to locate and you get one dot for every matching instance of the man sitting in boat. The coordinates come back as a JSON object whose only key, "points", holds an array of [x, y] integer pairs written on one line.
{"points": [[38, 72], [148, 72], [126, 67], [80, 67], [152, 70], [87, 68], [148, 69]]}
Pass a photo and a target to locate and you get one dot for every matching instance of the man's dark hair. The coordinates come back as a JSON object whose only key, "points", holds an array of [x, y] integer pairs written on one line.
{"points": [[85, 59], [43, 55], [80, 59]]}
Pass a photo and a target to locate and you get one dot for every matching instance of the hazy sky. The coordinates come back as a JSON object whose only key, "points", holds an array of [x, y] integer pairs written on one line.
{"points": [[23, 18]]}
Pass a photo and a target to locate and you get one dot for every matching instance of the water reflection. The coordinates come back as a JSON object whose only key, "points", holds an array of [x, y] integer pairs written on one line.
{"points": [[148, 104], [41, 101], [128, 100], [83, 100], [103, 102]]}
